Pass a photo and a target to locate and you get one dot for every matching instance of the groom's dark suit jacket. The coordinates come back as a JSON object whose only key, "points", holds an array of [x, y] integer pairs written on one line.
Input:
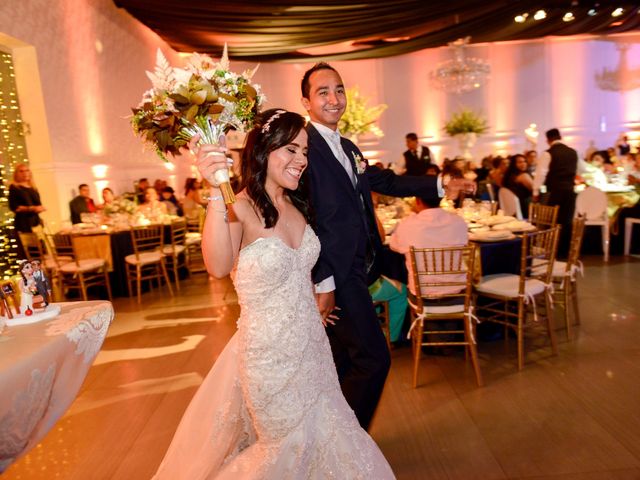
{"points": [[342, 218]]}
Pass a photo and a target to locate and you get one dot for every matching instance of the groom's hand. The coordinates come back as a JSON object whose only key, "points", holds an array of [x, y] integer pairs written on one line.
{"points": [[326, 304]]}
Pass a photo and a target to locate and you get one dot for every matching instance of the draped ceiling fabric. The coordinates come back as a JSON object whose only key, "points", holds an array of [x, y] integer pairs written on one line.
{"points": [[342, 30]]}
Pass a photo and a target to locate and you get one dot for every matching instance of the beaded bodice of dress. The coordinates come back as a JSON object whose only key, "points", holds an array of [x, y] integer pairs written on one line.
{"points": [[287, 360]]}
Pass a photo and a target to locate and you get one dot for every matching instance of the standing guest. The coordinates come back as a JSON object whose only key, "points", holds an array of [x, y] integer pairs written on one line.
{"points": [[519, 181], [416, 159], [24, 200], [83, 203], [141, 188], [192, 203], [623, 145], [340, 183], [557, 169], [159, 186], [168, 197]]}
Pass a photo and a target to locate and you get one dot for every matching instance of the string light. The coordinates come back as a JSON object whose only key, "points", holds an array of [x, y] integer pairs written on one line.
{"points": [[12, 151]]}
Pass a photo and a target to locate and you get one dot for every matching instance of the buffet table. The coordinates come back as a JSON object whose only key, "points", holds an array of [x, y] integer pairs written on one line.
{"points": [[42, 367]]}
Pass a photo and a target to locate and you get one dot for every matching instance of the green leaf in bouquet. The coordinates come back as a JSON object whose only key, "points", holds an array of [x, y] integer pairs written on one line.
{"points": [[250, 91], [178, 97], [229, 98], [191, 113], [215, 109], [198, 97]]}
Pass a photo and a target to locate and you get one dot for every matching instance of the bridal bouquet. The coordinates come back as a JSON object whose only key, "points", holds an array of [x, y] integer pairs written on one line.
{"points": [[204, 98]]}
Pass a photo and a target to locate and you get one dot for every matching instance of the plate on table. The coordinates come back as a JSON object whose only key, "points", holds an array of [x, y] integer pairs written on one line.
{"points": [[491, 236], [515, 226], [476, 227], [497, 219]]}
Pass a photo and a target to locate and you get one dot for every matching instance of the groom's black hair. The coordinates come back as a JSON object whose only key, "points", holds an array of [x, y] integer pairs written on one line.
{"points": [[304, 84]]}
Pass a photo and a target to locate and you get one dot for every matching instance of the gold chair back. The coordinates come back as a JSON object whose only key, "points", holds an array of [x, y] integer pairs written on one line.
{"points": [[538, 255], [146, 239], [61, 245], [543, 216], [577, 234], [32, 245]]}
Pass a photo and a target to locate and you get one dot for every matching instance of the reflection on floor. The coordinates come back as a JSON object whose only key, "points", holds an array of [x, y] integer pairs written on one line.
{"points": [[574, 416]]}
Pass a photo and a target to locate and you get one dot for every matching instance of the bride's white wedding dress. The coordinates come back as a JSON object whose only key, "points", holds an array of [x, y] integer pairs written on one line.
{"points": [[271, 406]]}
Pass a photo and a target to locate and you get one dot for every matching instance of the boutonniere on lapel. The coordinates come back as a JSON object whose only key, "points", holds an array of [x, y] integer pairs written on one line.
{"points": [[359, 163]]}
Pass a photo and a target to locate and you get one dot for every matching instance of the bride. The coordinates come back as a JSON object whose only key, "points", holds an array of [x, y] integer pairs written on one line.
{"points": [[271, 406]]}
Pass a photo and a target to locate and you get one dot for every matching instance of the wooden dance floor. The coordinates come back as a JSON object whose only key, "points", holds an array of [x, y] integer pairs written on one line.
{"points": [[574, 416]]}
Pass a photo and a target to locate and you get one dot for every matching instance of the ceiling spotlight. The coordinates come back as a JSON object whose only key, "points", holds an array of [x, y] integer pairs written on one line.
{"points": [[521, 18], [568, 17], [592, 12], [617, 12], [539, 15]]}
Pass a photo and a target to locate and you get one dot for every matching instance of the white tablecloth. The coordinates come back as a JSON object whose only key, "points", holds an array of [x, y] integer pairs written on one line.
{"points": [[42, 367]]}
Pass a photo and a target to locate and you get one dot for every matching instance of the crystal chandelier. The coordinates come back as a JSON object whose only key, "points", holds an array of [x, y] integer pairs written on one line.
{"points": [[461, 74], [622, 78]]}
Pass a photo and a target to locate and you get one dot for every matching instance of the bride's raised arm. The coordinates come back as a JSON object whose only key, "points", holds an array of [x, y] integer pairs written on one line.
{"points": [[222, 231]]}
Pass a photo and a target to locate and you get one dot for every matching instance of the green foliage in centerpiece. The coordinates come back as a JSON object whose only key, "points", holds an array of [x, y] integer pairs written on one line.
{"points": [[466, 121], [359, 117]]}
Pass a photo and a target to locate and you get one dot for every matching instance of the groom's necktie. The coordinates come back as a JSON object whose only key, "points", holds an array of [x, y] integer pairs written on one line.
{"points": [[343, 158]]}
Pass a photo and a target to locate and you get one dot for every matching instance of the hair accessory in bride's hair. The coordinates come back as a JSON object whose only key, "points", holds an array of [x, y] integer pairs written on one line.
{"points": [[267, 125]]}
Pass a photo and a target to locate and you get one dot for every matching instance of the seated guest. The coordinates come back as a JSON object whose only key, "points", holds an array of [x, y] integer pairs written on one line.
{"points": [[168, 197], [152, 206], [519, 181], [159, 186], [496, 174], [634, 171], [192, 203], [532, 161], [107, 197], [433, 170], [430, 227], [142, 186], [83, 203]]}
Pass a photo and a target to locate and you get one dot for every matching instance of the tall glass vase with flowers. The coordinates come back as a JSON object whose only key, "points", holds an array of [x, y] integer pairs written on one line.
{"points": [[205, 98]]}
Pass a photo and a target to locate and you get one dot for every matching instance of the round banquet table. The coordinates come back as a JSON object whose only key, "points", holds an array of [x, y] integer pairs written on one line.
{"points": [[42, 367]]}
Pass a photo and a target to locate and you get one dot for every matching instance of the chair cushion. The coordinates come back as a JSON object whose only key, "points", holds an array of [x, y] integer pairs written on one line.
{"points": [[168, 249], [193, 241], [444, 309], [197, 235], [85, 265], [506, 285], [144, 258]]}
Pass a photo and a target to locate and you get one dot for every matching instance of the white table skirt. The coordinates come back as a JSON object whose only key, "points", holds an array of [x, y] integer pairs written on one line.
{"points": [[42, 367]]}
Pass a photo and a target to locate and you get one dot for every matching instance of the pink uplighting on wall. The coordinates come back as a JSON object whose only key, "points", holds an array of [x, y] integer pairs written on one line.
{"points": [[84, 72], [568, 82]]}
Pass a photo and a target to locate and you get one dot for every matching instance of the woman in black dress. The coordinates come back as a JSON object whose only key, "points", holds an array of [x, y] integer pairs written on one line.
{"points": [[24, 200], [518, 180]]}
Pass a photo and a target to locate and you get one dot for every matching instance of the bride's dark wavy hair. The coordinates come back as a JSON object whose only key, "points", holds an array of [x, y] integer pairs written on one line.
{"points": [[275, 128]]}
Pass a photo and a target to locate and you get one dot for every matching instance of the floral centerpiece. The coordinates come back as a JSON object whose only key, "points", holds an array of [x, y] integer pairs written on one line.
{"points": [[466, 125], [359, 117], [120, 205], [466, 121], [205, 98]]}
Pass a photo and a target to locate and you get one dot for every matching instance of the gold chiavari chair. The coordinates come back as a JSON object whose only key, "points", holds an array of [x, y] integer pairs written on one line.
{"points": [[193, 242], [511, 297], [428, 265], [543, 216], [175, 252], [564, 275], [78, 274], [147, 261]]}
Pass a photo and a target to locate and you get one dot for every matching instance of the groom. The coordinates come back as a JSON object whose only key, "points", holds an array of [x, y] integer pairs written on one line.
{"points": [[340, 184]]}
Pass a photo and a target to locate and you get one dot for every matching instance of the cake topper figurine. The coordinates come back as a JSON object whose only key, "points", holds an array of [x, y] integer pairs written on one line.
{"points": [[28, 288], [43, 286]]}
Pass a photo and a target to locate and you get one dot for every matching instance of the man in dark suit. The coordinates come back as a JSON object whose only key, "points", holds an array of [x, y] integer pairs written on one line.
{"points": [[83, 203], [556, 169], [417, 158], [340, 185]]}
